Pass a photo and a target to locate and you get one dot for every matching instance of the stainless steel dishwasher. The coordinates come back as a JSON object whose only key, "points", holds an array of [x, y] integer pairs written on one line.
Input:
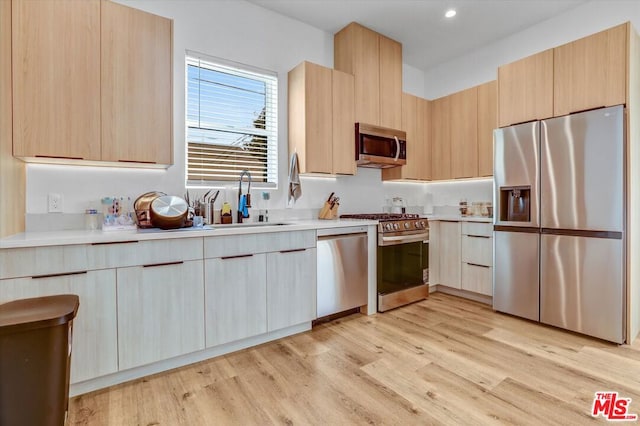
{"points": [[342, 281]]}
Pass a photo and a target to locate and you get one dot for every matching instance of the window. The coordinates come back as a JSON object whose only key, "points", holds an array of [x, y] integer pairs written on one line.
{"points": [[231, 120]]}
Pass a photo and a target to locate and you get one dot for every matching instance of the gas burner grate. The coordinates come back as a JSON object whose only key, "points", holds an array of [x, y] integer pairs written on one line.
{"points": [[381, 216]]}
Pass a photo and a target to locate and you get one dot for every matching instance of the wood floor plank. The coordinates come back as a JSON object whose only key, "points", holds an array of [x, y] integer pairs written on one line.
{"points": [[444, 360], [542, 407]]}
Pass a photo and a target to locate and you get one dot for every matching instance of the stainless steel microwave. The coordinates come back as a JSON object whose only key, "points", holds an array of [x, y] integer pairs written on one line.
{"points": [[379, 147]]}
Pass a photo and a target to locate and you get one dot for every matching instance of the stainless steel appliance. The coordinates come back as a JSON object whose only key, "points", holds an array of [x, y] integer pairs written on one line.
{"points": [[400, 258], [559, 223], [342, 271], [379, 147]]}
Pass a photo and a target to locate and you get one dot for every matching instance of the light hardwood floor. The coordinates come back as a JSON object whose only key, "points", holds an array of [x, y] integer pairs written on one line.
{"points": [[445, 360]]}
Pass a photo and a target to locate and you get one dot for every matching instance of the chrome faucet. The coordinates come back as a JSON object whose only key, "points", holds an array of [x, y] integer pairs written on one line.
{"points": [[244, 206]]}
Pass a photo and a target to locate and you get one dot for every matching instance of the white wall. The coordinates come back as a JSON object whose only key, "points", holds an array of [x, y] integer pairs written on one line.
{"points": [[481, 65], [241, 32]]}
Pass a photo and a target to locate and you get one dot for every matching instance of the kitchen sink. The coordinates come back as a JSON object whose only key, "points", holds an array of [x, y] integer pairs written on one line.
{"points": [[214, 227], [248, 225]]}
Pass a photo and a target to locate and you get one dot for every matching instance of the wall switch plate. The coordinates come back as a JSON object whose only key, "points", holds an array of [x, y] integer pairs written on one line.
{"points": [[55, 203]]}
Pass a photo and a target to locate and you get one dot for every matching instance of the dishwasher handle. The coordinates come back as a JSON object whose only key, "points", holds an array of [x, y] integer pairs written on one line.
{"points": [[340, 236]]}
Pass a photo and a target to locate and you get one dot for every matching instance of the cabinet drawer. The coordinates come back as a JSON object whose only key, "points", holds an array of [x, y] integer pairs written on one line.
{"points": [[134, 253], [478, 279], [235, 245], [478, 250], [477, 228], [36, 261]]}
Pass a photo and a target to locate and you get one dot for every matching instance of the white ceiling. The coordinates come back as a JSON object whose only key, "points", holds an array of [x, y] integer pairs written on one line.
{"points": [[427, 37]]}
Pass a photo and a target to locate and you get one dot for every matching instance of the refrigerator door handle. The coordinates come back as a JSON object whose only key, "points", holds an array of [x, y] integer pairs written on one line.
{"points": [[612, 235]]}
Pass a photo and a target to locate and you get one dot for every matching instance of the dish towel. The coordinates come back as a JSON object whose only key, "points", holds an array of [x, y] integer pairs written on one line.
{"points": [[295, 190], [242, 206]]}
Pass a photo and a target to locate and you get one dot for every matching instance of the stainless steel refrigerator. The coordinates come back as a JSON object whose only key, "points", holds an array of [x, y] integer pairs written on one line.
{"points": [[559, 240]]}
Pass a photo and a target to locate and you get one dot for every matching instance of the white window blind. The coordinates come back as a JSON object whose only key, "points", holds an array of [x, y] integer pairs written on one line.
{"points": [[231, 119]]}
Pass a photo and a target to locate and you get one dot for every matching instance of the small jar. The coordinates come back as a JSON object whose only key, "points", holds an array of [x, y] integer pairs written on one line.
{"points": [[91, 219]]}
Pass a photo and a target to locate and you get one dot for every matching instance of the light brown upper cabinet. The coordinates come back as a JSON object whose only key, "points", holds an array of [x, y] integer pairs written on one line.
{"points": [[464, 133], [376, 63], [321, 119], [591, 72], [56, 78], [390, 83], [487, 122], [441, 138], [525, 89], [92, 80], [424, 128], [136, 86], [413, 115]]}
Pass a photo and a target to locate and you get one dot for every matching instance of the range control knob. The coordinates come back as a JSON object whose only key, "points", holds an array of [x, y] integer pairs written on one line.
{"points": [[395, 226], [418, 224], [423, 224], [387, 226], [407, 225]]}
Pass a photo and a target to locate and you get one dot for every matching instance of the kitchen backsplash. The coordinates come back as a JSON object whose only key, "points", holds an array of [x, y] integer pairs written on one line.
{"points": [[363, 193]]}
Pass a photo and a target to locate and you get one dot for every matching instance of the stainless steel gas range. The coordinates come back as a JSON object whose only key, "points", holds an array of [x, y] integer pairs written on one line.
{"points": [[402, 258]]}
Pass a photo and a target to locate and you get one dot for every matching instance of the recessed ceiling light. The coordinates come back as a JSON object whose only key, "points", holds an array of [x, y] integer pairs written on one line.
{"points": [[450, 13]]}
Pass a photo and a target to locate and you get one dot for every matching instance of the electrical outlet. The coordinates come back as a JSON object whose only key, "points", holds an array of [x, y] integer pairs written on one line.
{"points": [[55, 203]]}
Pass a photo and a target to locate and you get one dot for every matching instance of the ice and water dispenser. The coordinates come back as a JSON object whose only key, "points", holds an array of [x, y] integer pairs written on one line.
{"points": [[515, 205]]}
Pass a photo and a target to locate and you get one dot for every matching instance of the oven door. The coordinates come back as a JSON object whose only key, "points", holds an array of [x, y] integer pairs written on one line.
{"points": [[400, 274]]}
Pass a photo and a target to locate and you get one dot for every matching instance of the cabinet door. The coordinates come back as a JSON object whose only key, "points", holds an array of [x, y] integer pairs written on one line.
{"points": [[464, 133], [487, 122], [56, 78], [160, 312], [356, 51], [236, 298], [411, 170], [310, 115], [291, 288], [434, 252], [525, 89], [344, 162], [423, 127], [94, 347], [391, 100], [450, 254], [441, 139], [136, 85], [591, 72]]}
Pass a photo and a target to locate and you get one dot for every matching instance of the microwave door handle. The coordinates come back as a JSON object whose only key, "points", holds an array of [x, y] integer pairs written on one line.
{"points": [[397, 148]]}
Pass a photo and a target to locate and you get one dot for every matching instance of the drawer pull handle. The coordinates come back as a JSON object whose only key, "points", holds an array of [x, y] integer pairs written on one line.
{"points": [[479, 266], [62, 274], [114, 242], [236, 257], [153, 265], [292, 250], [478, 236]]}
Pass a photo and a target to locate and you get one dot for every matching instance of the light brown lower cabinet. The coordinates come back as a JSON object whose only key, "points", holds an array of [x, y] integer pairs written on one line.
{"points": [[291, 290], [235, 298], [160, 312], [95, 334]]}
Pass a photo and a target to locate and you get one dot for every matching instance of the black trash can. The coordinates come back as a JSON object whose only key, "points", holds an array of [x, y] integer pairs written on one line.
{"points": [[35, 355]]}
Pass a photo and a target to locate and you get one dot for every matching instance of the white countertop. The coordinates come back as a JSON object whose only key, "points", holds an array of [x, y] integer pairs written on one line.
{"points": [[459, 218], [57, 238]]}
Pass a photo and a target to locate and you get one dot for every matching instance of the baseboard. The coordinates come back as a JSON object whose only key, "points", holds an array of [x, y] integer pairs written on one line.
{"points": [[487, 300]]}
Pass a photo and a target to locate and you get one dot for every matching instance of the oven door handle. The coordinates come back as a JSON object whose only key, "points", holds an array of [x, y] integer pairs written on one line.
{"points": [[402, 239]]}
